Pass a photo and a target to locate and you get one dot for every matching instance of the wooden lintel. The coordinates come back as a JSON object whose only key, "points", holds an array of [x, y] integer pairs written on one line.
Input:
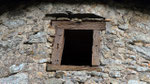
{"points": [[79, 25], [51, 67]]}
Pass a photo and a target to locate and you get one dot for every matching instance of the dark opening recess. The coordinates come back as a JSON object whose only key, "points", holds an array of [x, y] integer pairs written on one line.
{"points": [[77, 48]]}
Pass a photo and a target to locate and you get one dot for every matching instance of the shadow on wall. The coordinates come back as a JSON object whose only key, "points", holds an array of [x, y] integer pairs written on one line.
{"points": [[138, 5]]}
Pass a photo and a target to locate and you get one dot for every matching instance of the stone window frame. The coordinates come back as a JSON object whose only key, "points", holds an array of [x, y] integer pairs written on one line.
{"points": [[60, 26]]}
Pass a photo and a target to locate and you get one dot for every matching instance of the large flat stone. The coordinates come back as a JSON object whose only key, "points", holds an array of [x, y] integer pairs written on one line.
{"points": [[20, 78], [40, 37], [14, 23]]}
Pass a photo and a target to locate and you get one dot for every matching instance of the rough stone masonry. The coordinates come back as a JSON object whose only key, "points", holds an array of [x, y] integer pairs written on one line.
{"points": [[26, 42]]}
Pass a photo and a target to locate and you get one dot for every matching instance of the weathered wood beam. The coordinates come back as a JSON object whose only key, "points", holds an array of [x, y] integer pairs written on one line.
{"points": [[51, 67], [58, 46], [79, 25], [96, 48]]}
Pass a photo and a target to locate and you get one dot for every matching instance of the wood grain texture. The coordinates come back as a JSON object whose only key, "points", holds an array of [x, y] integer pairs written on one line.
{"points": [[58, 46], [79, 25], [51, 67], [96, 48]]}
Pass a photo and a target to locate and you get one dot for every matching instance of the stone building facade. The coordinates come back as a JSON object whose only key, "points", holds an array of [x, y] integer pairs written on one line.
{"points": [[26, 45]]}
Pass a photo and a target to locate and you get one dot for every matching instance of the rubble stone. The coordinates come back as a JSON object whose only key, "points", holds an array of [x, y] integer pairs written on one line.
{"points": [[26, 45], [14, 23]]}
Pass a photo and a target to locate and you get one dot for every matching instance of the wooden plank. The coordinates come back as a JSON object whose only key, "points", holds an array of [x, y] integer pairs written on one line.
{"points": [[58, 46], [51, 67], [79, 25], [96, 48]]}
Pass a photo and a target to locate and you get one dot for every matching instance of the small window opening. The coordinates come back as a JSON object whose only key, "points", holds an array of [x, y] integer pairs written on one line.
{"points": [[77, 47]]}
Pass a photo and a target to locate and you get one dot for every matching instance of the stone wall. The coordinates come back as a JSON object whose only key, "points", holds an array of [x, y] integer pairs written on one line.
{"points": [[26, 46]]}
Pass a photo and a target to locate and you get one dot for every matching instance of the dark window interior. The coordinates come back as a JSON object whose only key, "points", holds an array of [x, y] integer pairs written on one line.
{"points": [[77, 47]]}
